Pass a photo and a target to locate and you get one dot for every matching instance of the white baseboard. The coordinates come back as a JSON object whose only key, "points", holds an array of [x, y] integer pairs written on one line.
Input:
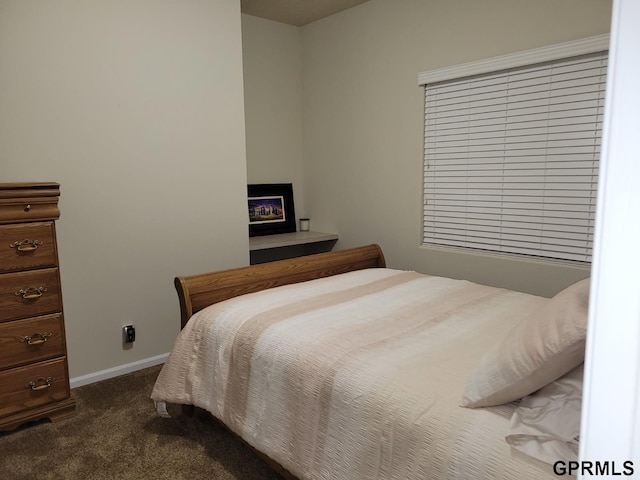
{"points": [[117, 371]]}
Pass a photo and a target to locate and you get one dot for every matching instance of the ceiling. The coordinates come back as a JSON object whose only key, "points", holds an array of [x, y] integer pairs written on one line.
{"points": [[296, 12]]}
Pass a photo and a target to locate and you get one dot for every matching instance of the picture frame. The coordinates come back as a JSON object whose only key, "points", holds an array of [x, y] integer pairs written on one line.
{"points": [[270, 209]]}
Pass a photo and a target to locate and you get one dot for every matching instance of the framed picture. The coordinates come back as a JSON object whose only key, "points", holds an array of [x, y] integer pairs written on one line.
{"points": [[271, 209]]}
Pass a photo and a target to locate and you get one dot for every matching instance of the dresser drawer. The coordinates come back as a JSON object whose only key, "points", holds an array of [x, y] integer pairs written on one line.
{"points": [[32, 386], [29, 294], [27, 245], [18, 210], [31, 340]]}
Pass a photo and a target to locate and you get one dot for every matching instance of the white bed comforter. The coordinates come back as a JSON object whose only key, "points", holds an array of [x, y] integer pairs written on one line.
{"points": [[356, 376]]}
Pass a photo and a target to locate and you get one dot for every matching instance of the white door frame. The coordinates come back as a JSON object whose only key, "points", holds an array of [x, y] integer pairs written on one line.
{"points": [[610, 428]]}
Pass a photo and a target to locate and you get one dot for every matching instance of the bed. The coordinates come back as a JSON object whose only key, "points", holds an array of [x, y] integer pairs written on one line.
{"points": [[333, 366]]}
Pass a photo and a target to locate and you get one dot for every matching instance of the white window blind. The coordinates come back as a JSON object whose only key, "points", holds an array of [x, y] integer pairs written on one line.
{"points": [[511, 159]]}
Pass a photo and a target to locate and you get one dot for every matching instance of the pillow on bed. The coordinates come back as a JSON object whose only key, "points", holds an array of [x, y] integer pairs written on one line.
{"points": [[542, 348], [546, 425]]}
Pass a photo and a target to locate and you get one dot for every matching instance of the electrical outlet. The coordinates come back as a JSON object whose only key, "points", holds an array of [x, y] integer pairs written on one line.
{"points": [[129, 334]]}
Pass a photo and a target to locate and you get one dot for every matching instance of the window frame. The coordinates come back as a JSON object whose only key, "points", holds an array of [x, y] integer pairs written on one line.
{"points": [[527, 58]]}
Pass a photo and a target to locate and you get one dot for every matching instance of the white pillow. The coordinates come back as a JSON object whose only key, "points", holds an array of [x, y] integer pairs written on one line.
{"points": [[540, 349]]}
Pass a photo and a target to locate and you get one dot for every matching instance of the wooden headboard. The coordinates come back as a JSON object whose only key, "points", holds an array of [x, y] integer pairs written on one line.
{"points": [[199, 291]]}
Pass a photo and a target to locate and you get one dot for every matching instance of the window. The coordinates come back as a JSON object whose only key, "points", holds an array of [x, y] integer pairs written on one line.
{"points": [[511, 155]]}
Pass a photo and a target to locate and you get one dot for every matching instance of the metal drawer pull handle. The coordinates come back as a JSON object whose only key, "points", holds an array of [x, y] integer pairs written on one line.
{"points": [[36, 338], [31, 293], [40, 384], [26, 245]]}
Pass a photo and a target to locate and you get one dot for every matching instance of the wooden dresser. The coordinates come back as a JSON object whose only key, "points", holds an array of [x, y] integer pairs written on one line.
{"points": [[34, 375]]}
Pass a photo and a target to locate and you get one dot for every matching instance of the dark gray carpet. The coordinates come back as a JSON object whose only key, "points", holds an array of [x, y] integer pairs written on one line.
{"points": [[116, 434]]}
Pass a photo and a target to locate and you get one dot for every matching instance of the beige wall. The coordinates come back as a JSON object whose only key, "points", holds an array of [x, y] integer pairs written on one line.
{"points": [[272, 63], [136, 108], [363, 119]]}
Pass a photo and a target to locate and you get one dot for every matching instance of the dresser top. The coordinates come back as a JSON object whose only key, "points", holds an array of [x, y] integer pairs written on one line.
{"points": [[29, 202], [29, 189]]}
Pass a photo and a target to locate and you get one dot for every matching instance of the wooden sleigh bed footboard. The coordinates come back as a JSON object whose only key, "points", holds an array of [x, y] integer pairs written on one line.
{"points": [[199, 291]]}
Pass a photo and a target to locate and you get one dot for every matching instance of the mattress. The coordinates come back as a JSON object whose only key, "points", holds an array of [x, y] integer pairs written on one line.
{"points": [[356, 376]]}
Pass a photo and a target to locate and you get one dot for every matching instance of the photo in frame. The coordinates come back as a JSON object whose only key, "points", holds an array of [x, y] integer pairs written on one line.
{"points": [[270, 209]]}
